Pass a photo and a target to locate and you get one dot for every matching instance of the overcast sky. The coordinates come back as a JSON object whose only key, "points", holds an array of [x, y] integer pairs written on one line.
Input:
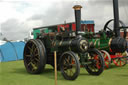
{"points": [[18, 17]]}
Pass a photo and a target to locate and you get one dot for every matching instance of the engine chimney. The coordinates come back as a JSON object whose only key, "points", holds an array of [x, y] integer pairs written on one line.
{"points": [[116, 18], [77, 9], [118, 44]]}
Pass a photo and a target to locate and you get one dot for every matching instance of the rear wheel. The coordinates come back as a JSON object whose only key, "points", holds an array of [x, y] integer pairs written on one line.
{"points": [[34, 56], [69, 65], [97, 62]]}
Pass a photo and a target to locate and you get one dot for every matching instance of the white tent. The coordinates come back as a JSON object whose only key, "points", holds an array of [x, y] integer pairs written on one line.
{"points": [[2, 42]]}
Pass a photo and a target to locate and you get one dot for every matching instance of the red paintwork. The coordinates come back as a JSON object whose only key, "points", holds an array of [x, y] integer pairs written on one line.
{"points": [[66, 26], [115, 56], [97, 62], [73, 27], [90, 27], [118, 57]]}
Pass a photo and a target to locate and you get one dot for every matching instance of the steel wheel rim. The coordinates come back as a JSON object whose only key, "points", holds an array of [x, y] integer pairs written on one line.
{"points": [[107, 58], [31, 56], [96, 63], [69, 65]]}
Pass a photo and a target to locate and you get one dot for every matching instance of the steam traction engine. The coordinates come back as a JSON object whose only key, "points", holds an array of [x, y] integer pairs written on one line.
{"points": [[109, 41], [72, 50], [112, 47]]}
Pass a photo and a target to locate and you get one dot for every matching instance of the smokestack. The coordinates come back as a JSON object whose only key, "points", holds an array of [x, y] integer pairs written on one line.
{"points": [[116, 18], [118, 44], [77, 9]]}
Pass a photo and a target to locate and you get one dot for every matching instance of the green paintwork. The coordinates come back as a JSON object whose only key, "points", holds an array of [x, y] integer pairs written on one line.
{"points": [[101, 43], [36, 32], [46, 30]]}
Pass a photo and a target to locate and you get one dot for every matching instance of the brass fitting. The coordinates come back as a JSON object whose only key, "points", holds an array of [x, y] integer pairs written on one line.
{"points": [[77, 7]]}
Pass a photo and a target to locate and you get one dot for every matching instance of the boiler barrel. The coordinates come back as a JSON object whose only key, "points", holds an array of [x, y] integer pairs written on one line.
{"points": [[76, 45]]}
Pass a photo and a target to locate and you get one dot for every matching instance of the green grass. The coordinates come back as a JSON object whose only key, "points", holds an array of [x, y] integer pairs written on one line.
{"points": [[14, 73]]}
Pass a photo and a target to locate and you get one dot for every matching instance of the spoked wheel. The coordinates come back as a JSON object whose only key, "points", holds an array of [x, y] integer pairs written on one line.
{"points": [[34, 56], [97, 62], [109, 28], [69, 65], [107, 58], [121, 61]]}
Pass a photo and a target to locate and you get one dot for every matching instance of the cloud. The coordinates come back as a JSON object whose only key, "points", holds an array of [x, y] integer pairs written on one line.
{"points": [[55, 14], [20, 16], [102, 10], [14, 29]]}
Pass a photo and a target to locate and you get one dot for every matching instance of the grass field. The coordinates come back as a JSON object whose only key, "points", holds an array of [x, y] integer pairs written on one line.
{"points": [[14, 73]]}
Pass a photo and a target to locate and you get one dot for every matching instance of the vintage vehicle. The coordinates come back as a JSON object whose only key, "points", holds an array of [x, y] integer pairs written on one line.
{"points": [[73, 47], [72, 50], [117, 56], [111, 40]]}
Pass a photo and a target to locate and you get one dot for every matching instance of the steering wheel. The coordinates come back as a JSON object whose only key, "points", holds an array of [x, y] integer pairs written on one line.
{"points": [[110, 29]]}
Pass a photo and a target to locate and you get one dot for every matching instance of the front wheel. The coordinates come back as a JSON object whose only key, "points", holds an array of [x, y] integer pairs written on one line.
{"points": [[69, 65], [121, 59], [107, 58], [96, 66]]}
